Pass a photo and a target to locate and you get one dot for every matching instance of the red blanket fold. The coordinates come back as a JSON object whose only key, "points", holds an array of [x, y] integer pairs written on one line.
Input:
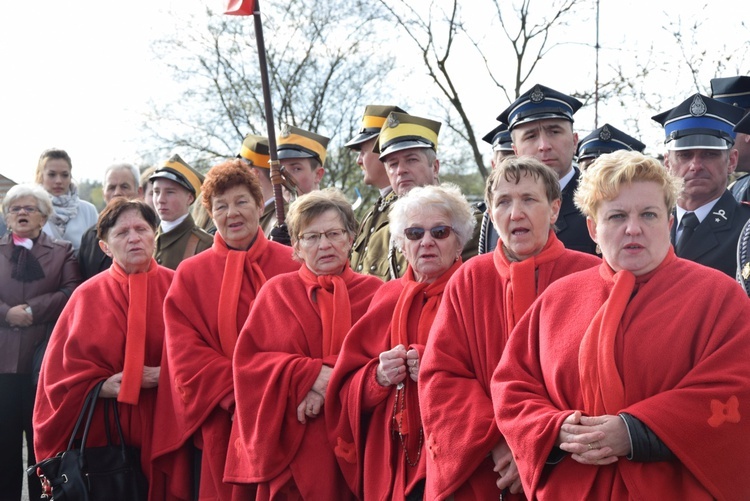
{"points": [[196, 397], [688, 380], [87, 346], [278, 356], [466, 342]]}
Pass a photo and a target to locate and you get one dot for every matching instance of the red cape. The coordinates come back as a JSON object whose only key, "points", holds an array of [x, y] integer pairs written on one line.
{"points": [[466, 343], [87, 346], [682, 353], [196, 397], [278, 356]]}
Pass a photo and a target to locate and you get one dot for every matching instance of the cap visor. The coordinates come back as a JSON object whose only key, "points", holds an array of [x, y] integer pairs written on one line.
{"points": [[356, 142], [402, 145], [292, 153], [698, 141]]}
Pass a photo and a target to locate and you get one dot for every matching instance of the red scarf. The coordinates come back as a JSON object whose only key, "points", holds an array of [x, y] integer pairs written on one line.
{"points": [[135, 335], [521, 290], [601, 385], [231, 284], [332, 296]]}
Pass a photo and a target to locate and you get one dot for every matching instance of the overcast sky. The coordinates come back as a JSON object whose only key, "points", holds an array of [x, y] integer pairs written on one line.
{"points": [[79, 74]]}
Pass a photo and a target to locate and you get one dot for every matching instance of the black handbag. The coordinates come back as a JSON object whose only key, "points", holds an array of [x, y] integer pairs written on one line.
{"points": [[112, 472]]}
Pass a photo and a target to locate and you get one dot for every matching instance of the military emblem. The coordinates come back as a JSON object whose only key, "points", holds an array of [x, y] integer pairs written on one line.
{"points": [[605, 134], [393, 121], [285, 130], [698, 108], [537, 96], [722, 213]]}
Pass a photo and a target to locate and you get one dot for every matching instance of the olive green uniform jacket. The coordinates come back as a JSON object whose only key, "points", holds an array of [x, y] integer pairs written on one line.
{"points": [[184, 241]]}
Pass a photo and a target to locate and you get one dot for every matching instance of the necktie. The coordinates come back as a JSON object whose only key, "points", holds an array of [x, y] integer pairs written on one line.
{"points": [[689, 223]]}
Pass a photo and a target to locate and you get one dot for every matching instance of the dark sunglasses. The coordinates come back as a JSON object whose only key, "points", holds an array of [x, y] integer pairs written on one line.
{"points": [[438, 232]]}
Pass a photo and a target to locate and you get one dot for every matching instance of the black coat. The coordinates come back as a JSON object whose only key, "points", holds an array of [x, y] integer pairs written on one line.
{"points": [[90, 256], [571, 224]]}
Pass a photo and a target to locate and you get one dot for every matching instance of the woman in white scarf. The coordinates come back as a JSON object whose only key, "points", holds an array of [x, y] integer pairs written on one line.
{"points": [[71, 216]]}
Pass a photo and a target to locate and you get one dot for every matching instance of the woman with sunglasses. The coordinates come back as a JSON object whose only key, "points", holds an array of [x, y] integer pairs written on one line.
{"points": [[285, 354], [468, 457], [377, 431]]}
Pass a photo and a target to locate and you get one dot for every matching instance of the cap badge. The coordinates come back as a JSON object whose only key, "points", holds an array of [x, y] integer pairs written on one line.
{"points": [[537, 96], [605, 134], [698, 107], [392, 121], [285, 130]]}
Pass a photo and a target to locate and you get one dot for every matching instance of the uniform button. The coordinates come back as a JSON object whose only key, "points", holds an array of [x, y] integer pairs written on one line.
{"points": [[372, 229], [372, 268], [359, 268], [365, 248]]}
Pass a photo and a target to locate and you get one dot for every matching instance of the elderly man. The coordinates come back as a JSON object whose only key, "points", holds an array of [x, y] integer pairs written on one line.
{"points": [[407, 146], [603, 140], [120, 180], [736, 91], [700, 150], [541, 125], [370, 250], [176, 185], [502, 147]]}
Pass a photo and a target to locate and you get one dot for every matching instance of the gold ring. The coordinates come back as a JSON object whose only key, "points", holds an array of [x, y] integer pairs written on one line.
{"points": [[590, 447]]}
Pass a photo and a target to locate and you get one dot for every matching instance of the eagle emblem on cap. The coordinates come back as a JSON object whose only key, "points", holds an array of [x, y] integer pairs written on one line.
{"points": [[698, 108], [537, 96], [285, 130], [605, 134], [392, 121]]}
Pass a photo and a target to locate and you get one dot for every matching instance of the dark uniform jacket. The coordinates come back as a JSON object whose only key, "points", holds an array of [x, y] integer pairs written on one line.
{"points": [[91, 258], [714, 242], [741, 187], [571, 224], [372, 245], [182, 242]]}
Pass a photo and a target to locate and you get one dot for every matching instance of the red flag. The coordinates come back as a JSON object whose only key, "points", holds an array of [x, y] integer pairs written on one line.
{"points": [[240, 7]]}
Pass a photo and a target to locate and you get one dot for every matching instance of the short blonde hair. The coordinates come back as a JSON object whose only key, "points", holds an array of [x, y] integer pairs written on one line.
{"points": [[512, 169], [603, 179], [309, 206]]}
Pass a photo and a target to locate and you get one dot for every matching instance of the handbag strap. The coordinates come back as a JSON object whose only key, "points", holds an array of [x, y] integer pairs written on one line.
{"points": [[87, 409]]}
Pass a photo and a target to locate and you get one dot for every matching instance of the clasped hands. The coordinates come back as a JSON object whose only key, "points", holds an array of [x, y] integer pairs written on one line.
{"points": [[395, 364], [313, 402], [111, 387], [594, 440]]}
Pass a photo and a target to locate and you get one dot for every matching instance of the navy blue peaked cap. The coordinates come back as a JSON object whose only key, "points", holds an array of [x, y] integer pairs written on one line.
{"points": [[540, 103], [607, 139]]}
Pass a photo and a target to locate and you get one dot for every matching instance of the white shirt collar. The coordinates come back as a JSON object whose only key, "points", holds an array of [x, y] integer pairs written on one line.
{"points": [[167, 226]]}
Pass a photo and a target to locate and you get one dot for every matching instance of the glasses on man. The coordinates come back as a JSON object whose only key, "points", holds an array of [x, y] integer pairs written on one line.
{"points": [[438, 232], [312, 238], [28, 209]]}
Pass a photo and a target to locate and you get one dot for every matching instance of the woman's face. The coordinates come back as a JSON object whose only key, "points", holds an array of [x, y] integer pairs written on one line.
{"points": [[24, 217], [56, 177], [130, 242], [236, 216], [522, 215], [325, 254], [435, 252], [632, 229]]}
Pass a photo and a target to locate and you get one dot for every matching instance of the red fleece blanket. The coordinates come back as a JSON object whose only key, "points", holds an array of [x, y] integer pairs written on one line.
{"points": [[277, 359], [466, 343], [196, 398], [87, 346], [681, 352]]}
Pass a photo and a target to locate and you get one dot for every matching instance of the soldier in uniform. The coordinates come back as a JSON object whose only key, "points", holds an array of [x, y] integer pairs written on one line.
{"points": [[370, 249], [743, 245], [407, 146], [255, 153], [302, 155], [502, 147], [541, 125], [700, 150], [605, 139], [176, 186], [736, 91]]}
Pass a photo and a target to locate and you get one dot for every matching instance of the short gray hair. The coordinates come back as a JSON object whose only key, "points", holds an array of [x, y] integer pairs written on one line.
{"points": [[445, 198], [124, 166], [43, 201]]}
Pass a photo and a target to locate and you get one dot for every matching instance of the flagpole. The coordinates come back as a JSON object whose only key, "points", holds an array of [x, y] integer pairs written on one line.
{"points": [[275, 172]]}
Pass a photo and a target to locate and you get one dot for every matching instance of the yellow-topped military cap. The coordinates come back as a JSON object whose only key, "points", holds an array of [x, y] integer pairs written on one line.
{"points": [[255, 150], [372, 122], [177, 170], [402, 131], [294, 142]]}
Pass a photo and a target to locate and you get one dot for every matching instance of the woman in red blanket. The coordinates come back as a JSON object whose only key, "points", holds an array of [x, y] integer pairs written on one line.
{"points": [[374, 425], [112, 329], [286, 352], [482, 303], [204, 311], [630, 380]]}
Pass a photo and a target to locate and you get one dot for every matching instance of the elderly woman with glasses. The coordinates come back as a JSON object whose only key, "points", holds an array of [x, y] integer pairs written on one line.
{"points": [[377, 431], [37, 275], [468, 457], [286, 352]]}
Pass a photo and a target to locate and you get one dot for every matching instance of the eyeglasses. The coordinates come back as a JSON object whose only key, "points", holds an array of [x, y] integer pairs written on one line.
{"points": [[438, 232], [312, 238], [28, 209]]}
